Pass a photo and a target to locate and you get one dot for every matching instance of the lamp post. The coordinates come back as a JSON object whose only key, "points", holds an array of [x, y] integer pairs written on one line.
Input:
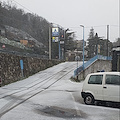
{"points": [[83, 45]]}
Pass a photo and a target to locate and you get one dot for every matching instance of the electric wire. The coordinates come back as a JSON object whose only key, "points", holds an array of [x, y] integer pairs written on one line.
{"points": [[23, 6]]}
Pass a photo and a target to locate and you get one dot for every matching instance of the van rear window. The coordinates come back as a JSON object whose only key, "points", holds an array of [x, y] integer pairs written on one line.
{"points": [[95, 79], [112, 79]]}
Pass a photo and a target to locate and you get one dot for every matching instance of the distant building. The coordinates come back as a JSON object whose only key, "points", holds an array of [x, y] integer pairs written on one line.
{"points": [[24, 42], [71, 55], [116, 59], [80, 44], [28, 43]]}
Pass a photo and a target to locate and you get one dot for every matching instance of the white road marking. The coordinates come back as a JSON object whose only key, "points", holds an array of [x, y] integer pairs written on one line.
{"points": [[76, 108]]}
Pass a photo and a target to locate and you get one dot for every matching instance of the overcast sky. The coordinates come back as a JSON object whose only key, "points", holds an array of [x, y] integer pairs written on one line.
{"points": [[73, 13]]}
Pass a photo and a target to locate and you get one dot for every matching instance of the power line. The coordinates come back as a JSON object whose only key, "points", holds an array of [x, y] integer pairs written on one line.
{"points": [[72, 26], [114, 25], [96, 26], [23, 6]]}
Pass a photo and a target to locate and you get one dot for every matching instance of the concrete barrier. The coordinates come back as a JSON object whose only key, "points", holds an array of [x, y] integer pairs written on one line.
{"points": [[98, 65]]}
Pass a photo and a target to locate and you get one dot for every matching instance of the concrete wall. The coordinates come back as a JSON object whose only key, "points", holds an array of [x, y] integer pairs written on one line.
{"points": [[96, 66], [10, 70]]}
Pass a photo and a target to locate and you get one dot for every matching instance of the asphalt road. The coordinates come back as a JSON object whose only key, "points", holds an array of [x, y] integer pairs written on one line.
{"points": [[50, 95]]}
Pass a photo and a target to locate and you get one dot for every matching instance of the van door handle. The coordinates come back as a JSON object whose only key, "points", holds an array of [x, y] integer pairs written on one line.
{"points": [[104, 87]]}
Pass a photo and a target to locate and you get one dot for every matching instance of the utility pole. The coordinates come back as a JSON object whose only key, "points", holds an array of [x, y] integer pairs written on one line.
{"points": [[50, 42], [59, 49], [83, 45], [107, 39], [65, 41], [119, 18]]}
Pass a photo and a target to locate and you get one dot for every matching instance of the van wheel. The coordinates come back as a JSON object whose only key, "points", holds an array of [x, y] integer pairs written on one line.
{"points": [[89, 99]]}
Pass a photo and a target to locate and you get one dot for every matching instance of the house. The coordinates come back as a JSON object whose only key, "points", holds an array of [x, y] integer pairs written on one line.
{"points": [[71, 55], [80, 44], [24, 42], [116, 59], [28, 43]]}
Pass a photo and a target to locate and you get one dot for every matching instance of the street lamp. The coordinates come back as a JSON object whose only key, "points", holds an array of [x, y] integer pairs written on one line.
{"points": [[83, 45]]}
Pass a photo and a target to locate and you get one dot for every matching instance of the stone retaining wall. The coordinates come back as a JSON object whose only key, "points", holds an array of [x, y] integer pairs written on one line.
{"points": [[10, 70]]}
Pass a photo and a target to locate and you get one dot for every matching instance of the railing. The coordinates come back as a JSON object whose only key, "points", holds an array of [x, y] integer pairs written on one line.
{"points": [[88, 63], [104, 57]]}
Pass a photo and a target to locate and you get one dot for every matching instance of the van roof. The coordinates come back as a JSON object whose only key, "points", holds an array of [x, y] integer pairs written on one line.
{"points": [[112, 73]]}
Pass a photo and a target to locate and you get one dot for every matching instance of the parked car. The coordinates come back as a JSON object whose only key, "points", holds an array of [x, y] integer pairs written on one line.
{"points": [[102, 86]]}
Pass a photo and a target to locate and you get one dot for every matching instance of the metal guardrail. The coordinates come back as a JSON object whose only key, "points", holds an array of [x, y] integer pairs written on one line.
{"points": [[88, 63]]}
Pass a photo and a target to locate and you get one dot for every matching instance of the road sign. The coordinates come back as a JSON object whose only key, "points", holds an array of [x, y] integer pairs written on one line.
{"points": [[61, 42], [21, 64], [55, 32], [3, 46], [55, 39]]}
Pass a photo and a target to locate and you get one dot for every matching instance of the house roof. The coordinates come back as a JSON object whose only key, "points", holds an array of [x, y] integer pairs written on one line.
{"points": [[116, 49]]}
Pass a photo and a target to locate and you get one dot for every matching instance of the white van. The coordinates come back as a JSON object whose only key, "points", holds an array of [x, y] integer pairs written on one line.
{"points": [[102, 86]]}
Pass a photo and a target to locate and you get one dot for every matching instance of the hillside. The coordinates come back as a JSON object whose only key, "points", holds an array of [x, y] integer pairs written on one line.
{"points": [[17, 25]]}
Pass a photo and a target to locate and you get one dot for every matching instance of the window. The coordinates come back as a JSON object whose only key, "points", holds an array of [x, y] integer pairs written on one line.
{"points": [[112, 79], [95, 79]]}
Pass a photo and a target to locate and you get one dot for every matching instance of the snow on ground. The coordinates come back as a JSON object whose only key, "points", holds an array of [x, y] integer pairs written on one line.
{"points": [[59, 101]]}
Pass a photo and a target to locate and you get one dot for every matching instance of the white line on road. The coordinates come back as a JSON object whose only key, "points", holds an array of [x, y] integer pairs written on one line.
{"points": [[76, 108]]}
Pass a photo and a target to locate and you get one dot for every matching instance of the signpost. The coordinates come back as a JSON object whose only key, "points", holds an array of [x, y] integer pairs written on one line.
{"points": [[61, 42], [58, 35], [55, 32], [55, 39], [21, 65]]}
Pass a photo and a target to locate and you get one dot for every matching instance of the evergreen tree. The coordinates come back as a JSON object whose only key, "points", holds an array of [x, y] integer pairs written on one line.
{"points": [[97, 45], [91, 34]]}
